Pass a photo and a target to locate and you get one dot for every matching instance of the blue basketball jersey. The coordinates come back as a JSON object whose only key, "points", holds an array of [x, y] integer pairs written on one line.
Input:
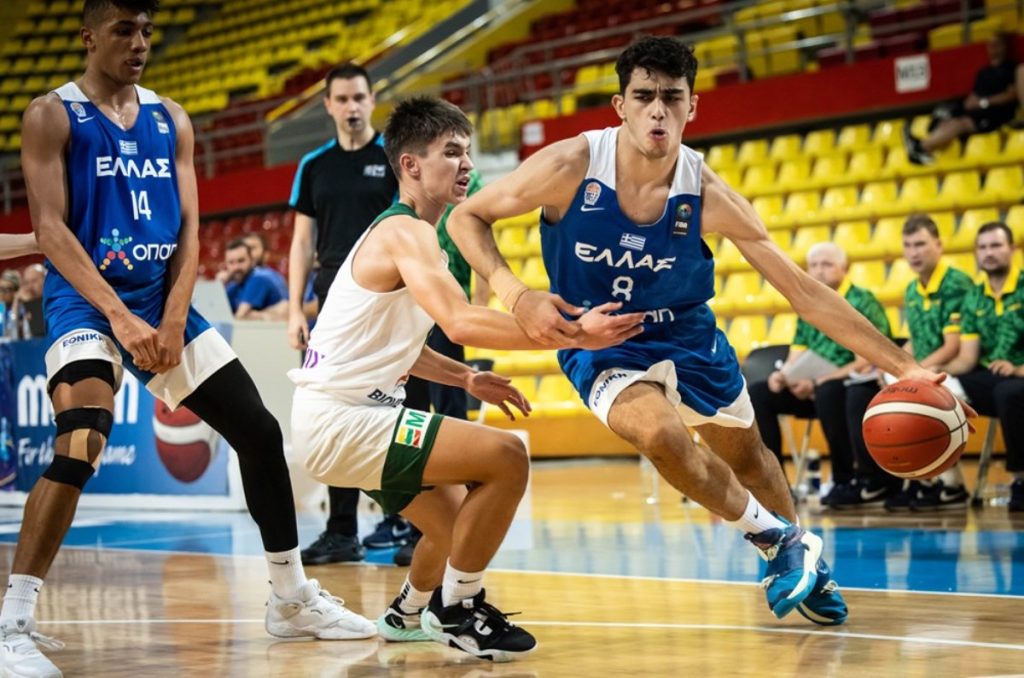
{"points": [[123, 202], [596, 254]]}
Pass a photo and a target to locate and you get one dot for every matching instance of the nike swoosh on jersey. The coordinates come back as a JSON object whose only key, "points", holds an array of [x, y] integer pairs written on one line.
{"points": [[85, 119], [584, 208]]}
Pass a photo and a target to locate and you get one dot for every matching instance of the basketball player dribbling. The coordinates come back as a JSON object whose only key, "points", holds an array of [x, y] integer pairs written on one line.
{"points": [[112, 195], [623, 214], [347, 418]]}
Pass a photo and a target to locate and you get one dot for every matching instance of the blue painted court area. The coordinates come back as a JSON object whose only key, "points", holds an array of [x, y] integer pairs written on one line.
{"points": [[931, 559]]}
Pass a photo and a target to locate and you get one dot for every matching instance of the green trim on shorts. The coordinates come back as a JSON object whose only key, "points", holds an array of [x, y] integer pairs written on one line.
{"points": [[412, 440]]}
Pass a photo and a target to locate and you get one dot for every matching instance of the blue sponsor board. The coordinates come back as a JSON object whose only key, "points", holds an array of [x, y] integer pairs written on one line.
{"points": [[130, 464]]}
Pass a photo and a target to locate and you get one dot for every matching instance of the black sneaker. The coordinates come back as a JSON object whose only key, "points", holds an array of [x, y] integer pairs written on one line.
{"points": [[940, 497], [403, 556], [475, 627], [860, 496], [901, 501], [392, 531], [839, 492], [1016, 496], [333, 548]]}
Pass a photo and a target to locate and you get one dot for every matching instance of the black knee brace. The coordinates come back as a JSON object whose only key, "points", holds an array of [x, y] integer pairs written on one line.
{"points": [[72, 373], [68, 471], [94, 418]]}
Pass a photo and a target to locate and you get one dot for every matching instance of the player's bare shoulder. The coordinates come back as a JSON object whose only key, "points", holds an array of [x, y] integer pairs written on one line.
{"points": [[46, 119], [178, 114]]}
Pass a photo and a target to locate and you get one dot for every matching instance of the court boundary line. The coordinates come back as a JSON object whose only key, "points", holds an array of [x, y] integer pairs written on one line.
{"points": [[837, 634]]}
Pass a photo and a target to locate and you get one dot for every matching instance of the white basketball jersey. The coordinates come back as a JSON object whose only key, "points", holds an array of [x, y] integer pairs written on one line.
{"points": [[364, 342]]}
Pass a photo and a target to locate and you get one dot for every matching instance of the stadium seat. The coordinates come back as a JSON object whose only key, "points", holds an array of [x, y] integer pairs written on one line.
{"points": [[759, 179], [805, 238], [836, 201], [793, 174], [828, 170], [820, 142], [740, 289], [512, 242], [876, 199], [853, 138], [747, 333], [946, 222], [970, 222], [752, 152], [534, 274], [785, 147], [943, 37], [768, 207], [965, 262], [782, 329], [852, 236], [962, 190], [865, 165], [1015, 220], [721, 156], [888, 134], [801, 208], [886, 240], [1004, 185], [1014, 149], [897, 165], [981, 150], [918, 194], [728, 258], [770, 301], [900, 275], [868, 274]]}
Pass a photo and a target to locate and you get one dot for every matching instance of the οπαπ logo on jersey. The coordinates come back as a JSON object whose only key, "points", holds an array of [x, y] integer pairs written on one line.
{"points": [[116, 251], [591, 194], [161, 123], [683, 215]]}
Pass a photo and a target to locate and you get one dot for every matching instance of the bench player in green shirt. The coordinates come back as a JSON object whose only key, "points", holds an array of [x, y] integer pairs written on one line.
{"points": [[990, 362], [932, 306], [857, 480]]}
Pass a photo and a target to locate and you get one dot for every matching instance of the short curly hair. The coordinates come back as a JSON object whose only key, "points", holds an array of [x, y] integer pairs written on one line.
{"points": [[658, 54]]}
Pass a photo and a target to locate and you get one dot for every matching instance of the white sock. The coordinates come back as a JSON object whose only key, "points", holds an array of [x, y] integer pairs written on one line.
{"points": [[953, 477], [756, 518], [459, 585], [411, 600], [286, 573], [20, 600]]}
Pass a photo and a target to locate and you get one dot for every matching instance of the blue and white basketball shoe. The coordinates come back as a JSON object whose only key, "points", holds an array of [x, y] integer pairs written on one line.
{"points": [[792, 554], [824, 605]]}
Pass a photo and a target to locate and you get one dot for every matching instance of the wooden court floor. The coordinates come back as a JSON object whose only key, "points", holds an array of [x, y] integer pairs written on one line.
{"points": [[136, 613]]}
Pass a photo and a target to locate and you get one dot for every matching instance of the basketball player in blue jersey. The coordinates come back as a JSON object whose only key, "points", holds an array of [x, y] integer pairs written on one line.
{"points": [[623, 215], [112, 194]]}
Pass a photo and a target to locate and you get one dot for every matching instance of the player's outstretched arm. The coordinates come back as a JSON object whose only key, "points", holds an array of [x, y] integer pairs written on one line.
{"points": [[728, 213], [412, 245], [183, 267], [548, 180], [45, 133], [17, 245], [485, 386]]}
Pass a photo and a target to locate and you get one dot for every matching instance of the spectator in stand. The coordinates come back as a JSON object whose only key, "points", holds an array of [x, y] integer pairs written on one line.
{"points": [[252, 291], [258, 248], [30, 298], [991, 104], [10, 283], [838, 395], [932, 305], [990, 362]]}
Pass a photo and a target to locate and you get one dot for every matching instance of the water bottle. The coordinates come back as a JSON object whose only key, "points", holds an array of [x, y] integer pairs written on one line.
{"points": [[813, 479]]}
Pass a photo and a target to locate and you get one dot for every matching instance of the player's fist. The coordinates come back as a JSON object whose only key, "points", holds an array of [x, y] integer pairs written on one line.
{"points": [[540, 316]]}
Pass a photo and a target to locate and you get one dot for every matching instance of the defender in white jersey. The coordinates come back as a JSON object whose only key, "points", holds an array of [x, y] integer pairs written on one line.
{"points": [[623, 214], [347, 418]]}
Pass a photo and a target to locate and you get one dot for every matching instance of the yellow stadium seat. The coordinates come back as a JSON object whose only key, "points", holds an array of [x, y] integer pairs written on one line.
{"points": [[532, 246], [965, 262], [769, 300], [876, 199], [793, 174], [865, 165], [782, 330], [1015, 220], [897, 165], [1004, 185], [828, 170], [733, 176], [963, 190], [512, 242], [852, 236], [759, 179], [768, 207], [1014, 149], [888, 133], [728, 258], [804, 239], [895, 287], [853, 138], [752, 151], [741, 288], [981, 150], [535, 275], [896, 324], [984, 29], [887, 239], [782, 238], [721, 156], [919, 125], [527, 385], [555, 388], [950, 156], [820, 142], [801, 208], [747, 333], [785, 147], [918, 194], [970, 222], [869, 274]]}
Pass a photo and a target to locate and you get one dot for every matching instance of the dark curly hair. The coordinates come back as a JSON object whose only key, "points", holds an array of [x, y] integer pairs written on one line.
{"points": [[660, 55]]}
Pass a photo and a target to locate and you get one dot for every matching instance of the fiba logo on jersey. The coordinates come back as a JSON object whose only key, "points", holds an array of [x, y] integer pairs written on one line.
{"points": [[161, 124], [591, 194], [683, 215], [79, 110]]}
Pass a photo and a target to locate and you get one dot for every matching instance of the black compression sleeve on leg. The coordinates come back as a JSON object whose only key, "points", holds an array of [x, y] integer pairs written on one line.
{"points": [[230, 403]]}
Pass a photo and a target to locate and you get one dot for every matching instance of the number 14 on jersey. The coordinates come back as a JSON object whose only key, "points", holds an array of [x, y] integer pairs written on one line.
{"points": [[140, 205]]}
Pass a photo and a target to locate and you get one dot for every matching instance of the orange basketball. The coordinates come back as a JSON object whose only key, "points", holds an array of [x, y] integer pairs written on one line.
{"points": [[915, 429]]}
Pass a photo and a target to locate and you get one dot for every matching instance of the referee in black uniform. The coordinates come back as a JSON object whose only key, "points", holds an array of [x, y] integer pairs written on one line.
{"points": [[339, 189]]}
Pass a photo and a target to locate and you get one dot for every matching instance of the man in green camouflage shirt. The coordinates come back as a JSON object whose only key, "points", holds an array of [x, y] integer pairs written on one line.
{"points": [[839, 407], [932, 306], [990, 362]]}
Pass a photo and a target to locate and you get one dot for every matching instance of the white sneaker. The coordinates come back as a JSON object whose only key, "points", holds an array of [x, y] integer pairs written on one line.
{"points": [[19, 655], [315, 613]]}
